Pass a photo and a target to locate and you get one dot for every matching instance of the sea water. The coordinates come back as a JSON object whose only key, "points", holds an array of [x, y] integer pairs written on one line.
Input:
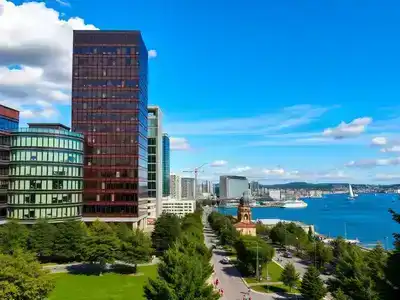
{"points": [[365, 218]]}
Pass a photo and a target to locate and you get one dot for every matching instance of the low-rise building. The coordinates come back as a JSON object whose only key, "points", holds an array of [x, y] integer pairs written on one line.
{"points": [[179, 207], [45, 174]]}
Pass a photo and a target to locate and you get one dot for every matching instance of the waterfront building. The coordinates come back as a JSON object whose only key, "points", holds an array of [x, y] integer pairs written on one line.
{"points": [[179, 207], [188, 186], [232, 186], [206, 187], [109, 106], [216, 189], [175, 184], [166, 167], [254, 187], [9, 119], [45, 174], [245, 225], [275, 194], [155, 162]]}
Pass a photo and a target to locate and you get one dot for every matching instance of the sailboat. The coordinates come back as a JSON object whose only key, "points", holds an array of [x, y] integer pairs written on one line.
{"points": [[352, 196]]}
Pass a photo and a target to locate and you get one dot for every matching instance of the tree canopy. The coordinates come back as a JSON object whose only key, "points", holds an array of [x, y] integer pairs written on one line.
{"points": [[167, 230], [290, 276], [312, 287], [22, 278]]}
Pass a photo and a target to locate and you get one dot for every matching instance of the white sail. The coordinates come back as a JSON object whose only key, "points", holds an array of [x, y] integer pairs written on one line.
{"points": [[351, 194]]}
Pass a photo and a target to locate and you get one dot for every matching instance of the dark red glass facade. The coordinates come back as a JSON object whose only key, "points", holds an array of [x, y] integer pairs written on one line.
{"points": [[109, 106]]}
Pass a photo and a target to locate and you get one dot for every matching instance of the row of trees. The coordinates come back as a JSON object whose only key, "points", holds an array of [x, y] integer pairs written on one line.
{"points": [[74, 241], [22, 248], [185, 260]]}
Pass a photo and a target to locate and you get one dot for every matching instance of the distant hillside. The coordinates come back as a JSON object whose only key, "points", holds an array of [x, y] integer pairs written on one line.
{"points": [[306, 185]]}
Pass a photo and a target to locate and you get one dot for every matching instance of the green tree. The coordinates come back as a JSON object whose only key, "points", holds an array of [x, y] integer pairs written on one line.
{"points": [[13, 237], [312, 287], [310, 235], [123, 232], [339, 295], [23, 278], [246, 250], [180, 277], [136, 248], [354, 277], [392, 268], [320, 254], [102, 244], [289, 276], [69, 241], [166, 230], [41, 239]]}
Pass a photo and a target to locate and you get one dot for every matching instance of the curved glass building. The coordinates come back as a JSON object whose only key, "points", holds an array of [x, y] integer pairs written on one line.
{"points": [[46, 174]]}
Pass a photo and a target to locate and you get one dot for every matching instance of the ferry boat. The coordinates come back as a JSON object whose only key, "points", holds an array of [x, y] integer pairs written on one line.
{"points": [[294, 204]]}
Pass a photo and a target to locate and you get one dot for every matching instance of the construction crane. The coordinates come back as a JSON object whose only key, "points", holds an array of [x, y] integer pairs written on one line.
{"points": [[196, 172]]}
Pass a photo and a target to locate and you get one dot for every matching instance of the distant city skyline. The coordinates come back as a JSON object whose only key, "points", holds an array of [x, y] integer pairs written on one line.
{"points": [[310, 97]]}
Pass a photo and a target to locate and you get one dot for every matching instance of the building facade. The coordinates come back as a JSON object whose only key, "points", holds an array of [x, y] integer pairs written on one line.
{"points": [[109, 106], [232, 186], [45, 174], [9, 120], [166, 168], [179, 208], [188, 186], [175, 184], [155, 162]]}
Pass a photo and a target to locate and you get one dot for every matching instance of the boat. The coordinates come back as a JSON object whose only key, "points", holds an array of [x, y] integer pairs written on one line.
{"points": [[294, 204], [352, 196]]}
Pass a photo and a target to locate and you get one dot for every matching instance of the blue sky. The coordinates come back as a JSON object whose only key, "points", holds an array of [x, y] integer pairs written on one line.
{"points": [[257, 88]]}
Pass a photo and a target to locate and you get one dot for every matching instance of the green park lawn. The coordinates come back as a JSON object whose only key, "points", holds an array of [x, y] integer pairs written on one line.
{"points": [[276, 288], [110, 286], [274, 272]]}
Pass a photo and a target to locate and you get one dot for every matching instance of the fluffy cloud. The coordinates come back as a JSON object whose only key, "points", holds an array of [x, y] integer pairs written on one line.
{"points": [[36, 58], [379, 141], [152, 53], [391, 149], [240, 170], [346, 130], [387, 177], [374, 162], [219, 163], [177, 143], [286, 118]]}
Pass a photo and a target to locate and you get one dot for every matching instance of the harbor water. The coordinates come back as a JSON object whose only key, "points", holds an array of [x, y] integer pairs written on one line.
{"points": [[366, 218]]}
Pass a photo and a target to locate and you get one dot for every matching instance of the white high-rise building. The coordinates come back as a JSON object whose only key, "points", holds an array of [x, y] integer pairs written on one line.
{"points": [[155, 156], [175, 187], [231, 187], [275, 194], [188, 188]]}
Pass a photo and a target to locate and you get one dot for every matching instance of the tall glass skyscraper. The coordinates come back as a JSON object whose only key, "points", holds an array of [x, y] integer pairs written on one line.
{"points": [[166, 165], [109, 106]]}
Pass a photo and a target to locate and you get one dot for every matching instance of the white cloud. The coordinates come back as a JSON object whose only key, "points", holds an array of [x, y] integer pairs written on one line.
{"points": [[387, 177], [391, 149], [367, 163], [289, 117], [219, 163], [36, 58], [379, 141], [239, 170], [152, 53], [346, 130], [63, 3], [177, 143]]}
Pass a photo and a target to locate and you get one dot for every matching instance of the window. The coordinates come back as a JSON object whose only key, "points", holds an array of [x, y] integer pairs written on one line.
{"points": [[57, 184]]}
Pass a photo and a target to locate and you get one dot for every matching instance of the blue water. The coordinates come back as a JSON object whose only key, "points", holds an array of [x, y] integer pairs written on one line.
{"points": [[366, 218]]}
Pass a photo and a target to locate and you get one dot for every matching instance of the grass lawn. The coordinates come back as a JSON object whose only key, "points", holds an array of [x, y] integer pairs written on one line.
{"points": [[110, 286], [274, 272], [278, 288]]}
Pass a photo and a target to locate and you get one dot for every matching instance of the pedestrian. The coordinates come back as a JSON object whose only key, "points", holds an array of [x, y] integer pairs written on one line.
{"points": [[216, 282], [221, 292]]}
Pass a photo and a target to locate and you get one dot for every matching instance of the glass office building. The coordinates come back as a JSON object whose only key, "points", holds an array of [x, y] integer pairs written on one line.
{"points": [[9, 119], [109, 106], [166, 165], [155, 162], [45, 174]]}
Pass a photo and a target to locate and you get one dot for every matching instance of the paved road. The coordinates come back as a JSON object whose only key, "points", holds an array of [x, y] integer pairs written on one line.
{"points": [[228, 276], [298, 263]]}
